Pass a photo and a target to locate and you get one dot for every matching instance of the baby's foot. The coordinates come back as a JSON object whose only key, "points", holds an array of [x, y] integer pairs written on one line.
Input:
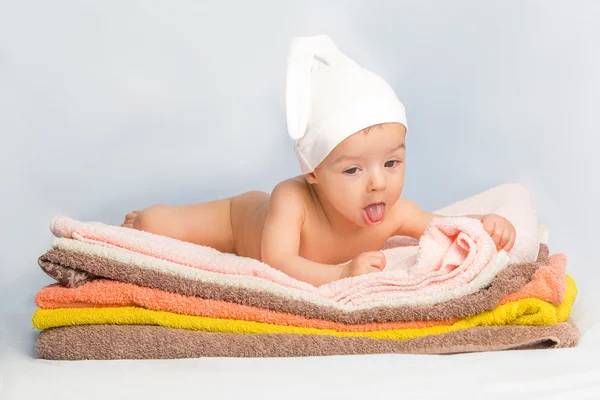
{"points": [[130, 219]]}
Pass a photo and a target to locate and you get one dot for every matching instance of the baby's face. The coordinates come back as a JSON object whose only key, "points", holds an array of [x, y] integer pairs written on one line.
{"points": [[364, 175]]}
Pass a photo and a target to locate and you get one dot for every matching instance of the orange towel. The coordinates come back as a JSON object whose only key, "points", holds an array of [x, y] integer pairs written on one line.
{"points": [[547, 284]]}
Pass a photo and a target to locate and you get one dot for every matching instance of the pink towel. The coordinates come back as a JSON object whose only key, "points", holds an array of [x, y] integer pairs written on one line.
{"points": [[452, 253]]}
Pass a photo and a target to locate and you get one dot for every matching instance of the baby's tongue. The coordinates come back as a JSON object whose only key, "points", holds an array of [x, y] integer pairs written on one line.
{"points": [[374, 212]]}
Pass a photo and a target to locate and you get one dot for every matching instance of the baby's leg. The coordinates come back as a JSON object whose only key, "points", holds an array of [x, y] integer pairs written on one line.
{"points": [[208, 224]]}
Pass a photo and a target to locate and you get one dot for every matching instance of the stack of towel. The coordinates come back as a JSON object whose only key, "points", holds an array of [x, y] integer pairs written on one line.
{"points": [[122, 293]]}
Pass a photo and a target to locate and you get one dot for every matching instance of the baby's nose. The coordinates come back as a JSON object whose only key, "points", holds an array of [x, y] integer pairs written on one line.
{"points": [[376, 182]]}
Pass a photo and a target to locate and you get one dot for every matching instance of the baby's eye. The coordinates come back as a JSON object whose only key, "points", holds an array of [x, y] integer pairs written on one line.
{"points": [[392, 163], [351, 171]]}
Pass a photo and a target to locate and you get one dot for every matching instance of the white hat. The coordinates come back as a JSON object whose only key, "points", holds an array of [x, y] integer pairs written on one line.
{"points": [[330, 97]]}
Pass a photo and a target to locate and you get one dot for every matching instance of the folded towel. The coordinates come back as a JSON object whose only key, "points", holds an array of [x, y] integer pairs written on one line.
{"points": [[104, 293], [547, 284], [192, 282], [111, 342], [521, 312]]}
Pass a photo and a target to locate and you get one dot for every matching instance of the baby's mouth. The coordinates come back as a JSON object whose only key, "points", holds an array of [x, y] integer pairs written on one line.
{"points": [[374, 213]]}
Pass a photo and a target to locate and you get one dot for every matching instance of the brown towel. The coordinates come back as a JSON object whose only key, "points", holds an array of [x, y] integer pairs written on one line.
{"points": [[110, 342]]}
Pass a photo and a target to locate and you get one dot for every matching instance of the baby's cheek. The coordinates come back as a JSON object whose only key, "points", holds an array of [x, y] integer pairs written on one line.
{"points": [[340, 197], [396, 190]]}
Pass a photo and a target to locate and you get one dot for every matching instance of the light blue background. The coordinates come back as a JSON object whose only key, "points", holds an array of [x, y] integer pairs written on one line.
{"points": [[111, 106]]}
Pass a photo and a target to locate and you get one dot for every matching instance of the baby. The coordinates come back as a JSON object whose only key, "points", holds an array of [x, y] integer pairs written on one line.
{"points": [[330, 222]]}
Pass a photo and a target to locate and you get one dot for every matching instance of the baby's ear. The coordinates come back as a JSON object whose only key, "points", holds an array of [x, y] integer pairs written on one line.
{"points": [[311, 178]]}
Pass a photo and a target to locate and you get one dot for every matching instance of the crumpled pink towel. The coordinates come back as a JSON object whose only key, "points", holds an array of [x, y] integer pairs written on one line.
{"points": [[452, 253]]}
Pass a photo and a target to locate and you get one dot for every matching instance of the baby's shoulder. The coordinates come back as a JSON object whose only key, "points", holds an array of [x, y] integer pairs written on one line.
{"points": [[297, 184], [410, 219], [291, 194], [405, 208], [404, 211], [295, 187]]}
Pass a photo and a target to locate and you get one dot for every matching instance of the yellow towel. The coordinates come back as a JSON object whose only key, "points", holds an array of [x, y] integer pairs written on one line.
{"points": [[522, 312]]}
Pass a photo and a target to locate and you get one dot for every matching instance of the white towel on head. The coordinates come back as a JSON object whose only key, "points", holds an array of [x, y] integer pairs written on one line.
{"points": [[330, 97]]}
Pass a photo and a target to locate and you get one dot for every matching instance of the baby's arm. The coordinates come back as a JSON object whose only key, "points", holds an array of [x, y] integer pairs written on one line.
{"points": [[281, 239], [413, 222]]}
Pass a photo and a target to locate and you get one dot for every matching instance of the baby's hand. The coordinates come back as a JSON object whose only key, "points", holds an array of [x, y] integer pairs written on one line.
{"points": [[501, 230], [365, 263]]}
